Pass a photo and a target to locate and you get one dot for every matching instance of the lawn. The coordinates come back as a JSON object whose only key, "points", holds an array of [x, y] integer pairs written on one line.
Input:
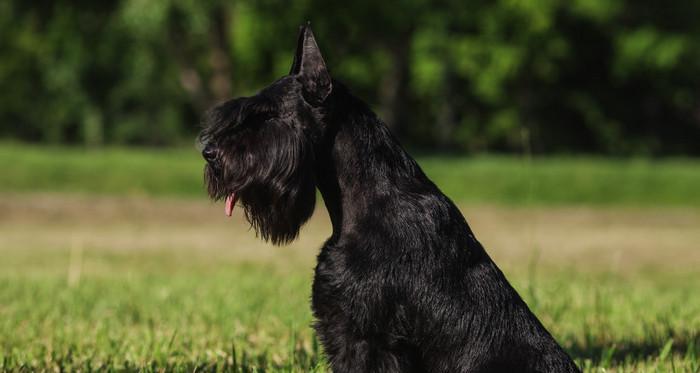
{"points": [[96, 273], [480, 179]]}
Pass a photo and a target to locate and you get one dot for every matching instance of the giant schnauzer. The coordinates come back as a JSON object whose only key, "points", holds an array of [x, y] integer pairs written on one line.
{"points": [[402, 284]]}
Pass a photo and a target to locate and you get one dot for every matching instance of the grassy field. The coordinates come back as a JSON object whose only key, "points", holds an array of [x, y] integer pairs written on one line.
{"points": [[95, 273], [483, 179]]}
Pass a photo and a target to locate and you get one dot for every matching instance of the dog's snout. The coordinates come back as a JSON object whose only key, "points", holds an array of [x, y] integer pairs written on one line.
{"points": [[209, 154]]}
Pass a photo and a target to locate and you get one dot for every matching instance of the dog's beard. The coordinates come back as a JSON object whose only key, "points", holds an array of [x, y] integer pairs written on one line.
{"points": [[277, 197], [277, 211], [213, 179]]}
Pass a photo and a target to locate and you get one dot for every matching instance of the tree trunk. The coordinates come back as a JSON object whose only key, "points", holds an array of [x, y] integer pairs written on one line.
{"points": [[204, 92], [219, 59], [393, 91], [446, 116]]}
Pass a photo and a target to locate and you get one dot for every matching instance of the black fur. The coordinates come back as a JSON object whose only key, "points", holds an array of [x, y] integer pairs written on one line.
{"points": [[402, 285]]}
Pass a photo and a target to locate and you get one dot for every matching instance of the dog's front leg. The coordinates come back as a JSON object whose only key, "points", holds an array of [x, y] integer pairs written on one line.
{"points": [[349, 352], [351, 343]]}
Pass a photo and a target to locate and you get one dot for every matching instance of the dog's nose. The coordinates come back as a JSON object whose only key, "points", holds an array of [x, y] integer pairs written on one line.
{"points": [[209, 154]]}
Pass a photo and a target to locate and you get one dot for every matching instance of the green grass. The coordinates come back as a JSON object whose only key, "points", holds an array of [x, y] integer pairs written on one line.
{"points": [[487, 179], [145, 306], [156, 310], [141, 318]]}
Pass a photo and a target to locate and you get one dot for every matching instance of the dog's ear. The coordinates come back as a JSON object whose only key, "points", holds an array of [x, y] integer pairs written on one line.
{"points": [[310, 69]]}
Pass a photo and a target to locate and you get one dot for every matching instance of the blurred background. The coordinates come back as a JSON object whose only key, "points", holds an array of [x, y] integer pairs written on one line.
{"points": [[566, 131], [608, 77]]}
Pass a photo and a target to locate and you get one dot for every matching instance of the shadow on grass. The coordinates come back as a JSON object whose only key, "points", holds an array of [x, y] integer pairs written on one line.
{"points": [[617, 352]]}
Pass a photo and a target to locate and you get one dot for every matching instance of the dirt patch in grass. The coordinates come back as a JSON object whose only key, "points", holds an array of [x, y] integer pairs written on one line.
{"points": [[618, 239]]}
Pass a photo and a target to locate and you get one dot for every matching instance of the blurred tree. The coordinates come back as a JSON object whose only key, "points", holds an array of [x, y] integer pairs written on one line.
{"points": [[608, 76]]}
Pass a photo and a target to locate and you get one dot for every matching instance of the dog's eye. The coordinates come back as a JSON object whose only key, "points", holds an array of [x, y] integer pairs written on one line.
{"points": [[259, 120]]}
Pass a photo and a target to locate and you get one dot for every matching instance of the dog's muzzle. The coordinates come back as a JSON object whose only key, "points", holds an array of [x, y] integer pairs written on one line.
{"points": [[210, 154]]}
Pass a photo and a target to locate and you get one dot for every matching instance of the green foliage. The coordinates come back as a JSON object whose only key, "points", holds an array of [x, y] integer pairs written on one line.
{"points": [[608, 76], [647, 49], [484, 179]]}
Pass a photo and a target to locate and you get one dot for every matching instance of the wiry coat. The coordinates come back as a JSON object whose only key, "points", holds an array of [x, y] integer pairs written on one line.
{"points": [[402, 285]]}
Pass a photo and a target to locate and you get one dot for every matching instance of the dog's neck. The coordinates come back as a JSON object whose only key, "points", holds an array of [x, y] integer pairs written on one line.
{"points": [[361, 169]]}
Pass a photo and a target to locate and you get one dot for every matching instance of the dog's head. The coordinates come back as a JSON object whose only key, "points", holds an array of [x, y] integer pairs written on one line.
{"points": [[259, 149]]}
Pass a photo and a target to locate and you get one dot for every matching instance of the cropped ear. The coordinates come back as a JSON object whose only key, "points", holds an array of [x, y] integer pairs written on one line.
{"points": [[310, 69]]}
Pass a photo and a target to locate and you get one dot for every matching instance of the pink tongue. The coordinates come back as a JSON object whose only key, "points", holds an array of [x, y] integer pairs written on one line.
{"points": [[230, 201]]}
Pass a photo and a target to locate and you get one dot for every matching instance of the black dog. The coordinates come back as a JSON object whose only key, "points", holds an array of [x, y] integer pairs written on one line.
{"points": [[402, 285]]}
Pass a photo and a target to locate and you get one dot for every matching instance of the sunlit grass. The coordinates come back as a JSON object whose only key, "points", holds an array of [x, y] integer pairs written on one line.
{"points": [[489, 179], [157, 310]]}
